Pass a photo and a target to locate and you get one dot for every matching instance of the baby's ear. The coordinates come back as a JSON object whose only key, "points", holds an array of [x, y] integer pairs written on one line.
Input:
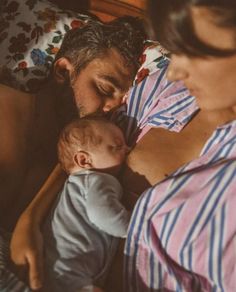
{"points": [[62, 69], [83, 159]]}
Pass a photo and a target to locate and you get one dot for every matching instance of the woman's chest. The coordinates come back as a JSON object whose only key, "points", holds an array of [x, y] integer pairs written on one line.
{"points": [[161, 152]]}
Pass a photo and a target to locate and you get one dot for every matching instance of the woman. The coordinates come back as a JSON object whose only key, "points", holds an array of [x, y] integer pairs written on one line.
{"points": [[183, 231], [178, 238]]}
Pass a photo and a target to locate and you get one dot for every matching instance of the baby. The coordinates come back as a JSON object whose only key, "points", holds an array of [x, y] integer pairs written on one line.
{"points": [[81, 233]]}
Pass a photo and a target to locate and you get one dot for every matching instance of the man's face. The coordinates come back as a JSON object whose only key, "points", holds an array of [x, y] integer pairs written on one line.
{"points": [[102, 84]]}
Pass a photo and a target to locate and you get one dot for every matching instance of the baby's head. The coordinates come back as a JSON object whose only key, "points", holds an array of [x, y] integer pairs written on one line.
{"points": [[91, 143]]}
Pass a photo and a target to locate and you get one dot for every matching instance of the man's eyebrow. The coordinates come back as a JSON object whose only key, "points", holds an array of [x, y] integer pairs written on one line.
{"points": [[113, 80]]}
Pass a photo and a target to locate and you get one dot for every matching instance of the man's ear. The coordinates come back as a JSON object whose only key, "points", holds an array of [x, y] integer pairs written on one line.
{"points": [[62, 69], [83, 159]]}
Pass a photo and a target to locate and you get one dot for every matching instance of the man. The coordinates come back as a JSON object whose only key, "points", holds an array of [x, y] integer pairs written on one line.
{"points": [[92, 72]]}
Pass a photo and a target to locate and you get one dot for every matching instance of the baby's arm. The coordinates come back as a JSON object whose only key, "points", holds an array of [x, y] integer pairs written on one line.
{"points": [[104, 208]]}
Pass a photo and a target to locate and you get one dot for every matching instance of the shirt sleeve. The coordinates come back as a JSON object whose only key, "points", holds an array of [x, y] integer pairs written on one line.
{"points": [[104, 208], [155, 102]]}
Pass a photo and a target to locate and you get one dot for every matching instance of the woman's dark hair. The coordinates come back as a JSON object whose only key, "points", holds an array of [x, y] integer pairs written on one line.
{"points": [[92, 40], [173, 26]]}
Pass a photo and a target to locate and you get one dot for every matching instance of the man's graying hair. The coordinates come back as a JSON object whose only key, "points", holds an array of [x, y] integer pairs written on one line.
{"points": [[82, 45]]}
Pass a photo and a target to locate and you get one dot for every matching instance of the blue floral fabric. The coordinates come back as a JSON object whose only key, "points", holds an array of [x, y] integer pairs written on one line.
{"points": [[31, 33]]}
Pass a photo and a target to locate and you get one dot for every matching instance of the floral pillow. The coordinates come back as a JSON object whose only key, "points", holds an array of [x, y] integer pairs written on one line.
{"points": [[31, 32], [153, 58]]}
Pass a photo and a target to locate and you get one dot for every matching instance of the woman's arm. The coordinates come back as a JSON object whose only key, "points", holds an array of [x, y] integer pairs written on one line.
{"points": [[27, 242]]}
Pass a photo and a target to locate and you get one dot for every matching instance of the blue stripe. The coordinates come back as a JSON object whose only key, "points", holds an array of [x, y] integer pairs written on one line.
{"points": [[214, 289], [163, 229], [181, 108], [151, 271], [172, 107], [212, 242], [139, 224], [159, 275], [131, 100], [181, 88], [220, 175], [175, 219], [129, 240], [218, 153], [137, 96], [188, 118], [150, 98], [217, 136], [178, 186], [214, 138], [222, 223], [190, 257]]}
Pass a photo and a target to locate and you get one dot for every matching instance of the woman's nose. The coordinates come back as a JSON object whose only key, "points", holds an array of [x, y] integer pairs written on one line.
{"points": [[177, 69]]}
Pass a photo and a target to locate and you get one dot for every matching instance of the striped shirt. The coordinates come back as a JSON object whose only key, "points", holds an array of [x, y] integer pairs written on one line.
{"points": [[182, 235]]}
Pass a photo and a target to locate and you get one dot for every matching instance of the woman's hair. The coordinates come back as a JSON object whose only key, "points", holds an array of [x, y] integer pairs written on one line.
{"points": [[92, 40], [173, 25], [80, 134]]}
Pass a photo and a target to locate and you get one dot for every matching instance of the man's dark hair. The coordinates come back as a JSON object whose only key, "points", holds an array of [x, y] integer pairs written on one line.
{"points": [[173, 26], [82, 45]]}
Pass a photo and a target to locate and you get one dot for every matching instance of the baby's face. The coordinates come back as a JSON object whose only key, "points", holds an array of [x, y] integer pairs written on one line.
{"points": [[111, 152]]}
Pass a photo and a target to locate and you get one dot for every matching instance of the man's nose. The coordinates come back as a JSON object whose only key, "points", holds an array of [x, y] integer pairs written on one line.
{"points": [[177, 69], [112, 103]]}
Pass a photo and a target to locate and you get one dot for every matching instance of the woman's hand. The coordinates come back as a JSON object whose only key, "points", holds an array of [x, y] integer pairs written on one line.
{"points": [[27, 251]]}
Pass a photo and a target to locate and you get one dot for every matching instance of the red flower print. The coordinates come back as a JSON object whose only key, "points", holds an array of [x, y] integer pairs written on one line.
{"points": [[76, 23], [22, 65], [54, 50], [141, 75]]}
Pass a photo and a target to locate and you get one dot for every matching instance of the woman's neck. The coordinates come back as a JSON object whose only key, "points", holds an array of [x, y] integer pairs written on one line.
{"points": [[218, 117]]}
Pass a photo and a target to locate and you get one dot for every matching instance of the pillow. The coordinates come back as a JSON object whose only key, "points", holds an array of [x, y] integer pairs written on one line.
{"points": [[153, 58], [31, 33]]}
